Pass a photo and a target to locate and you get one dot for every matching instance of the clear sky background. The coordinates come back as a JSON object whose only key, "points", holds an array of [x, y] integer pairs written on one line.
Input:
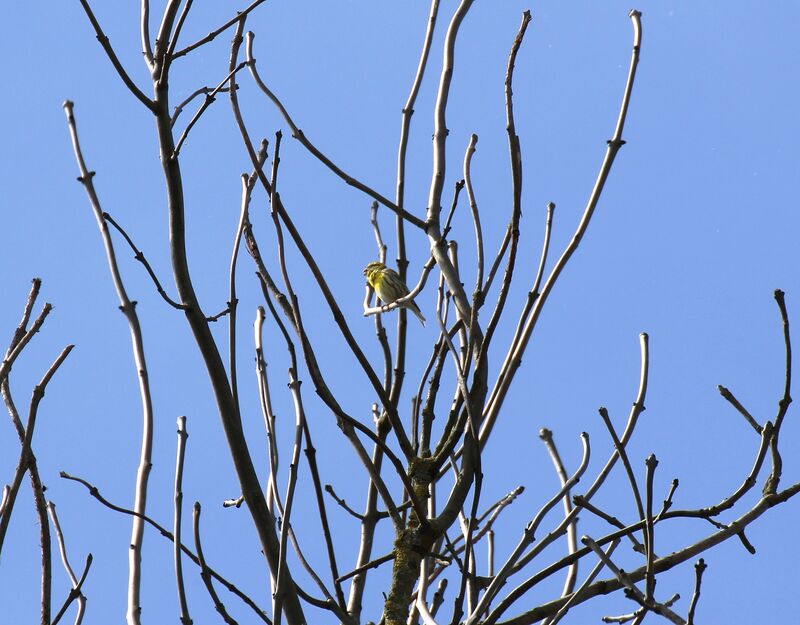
{"points": [[697, 226]]}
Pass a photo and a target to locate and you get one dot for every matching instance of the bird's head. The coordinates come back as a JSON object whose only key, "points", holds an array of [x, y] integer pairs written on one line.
{"points": [[373, 267]]}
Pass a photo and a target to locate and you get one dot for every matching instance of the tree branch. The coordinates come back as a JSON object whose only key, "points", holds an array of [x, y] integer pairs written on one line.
{"points": [[517, 349], [112, 56], [213, 34], [300, 136], [128, 308]]}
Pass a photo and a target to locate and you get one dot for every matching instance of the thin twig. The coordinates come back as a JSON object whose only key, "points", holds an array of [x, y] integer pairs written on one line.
{"points": [[210, 97], [368, 525], [438, 597], [699, 569], [372, 564], [233, 301], [737, 404], [668, 501], [402, 262], [379, 329], [373, 219], [270, 423], [181, 453], [572, 529], [176, 34], [581, 502], [201, 91], [147, 48], [473, 205], [75, 592], [515, 154], [213, 34], [343, 503], [128, 308], [771, 485], [490, 553], [205, 573], [139, 255], [421, 603], [439, 172], [493, 511], [19, 342], [623, 456], [422, 439], [294, 388], [533, 294], [22, 329], [112, 56], [161, 59], [649, 535]]}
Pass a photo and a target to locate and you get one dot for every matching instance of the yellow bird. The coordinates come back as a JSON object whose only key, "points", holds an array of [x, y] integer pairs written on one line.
{"points": [[390, 287]]}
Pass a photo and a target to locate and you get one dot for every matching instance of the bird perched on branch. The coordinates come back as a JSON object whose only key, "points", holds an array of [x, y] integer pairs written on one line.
{"points": [[390, 287]]}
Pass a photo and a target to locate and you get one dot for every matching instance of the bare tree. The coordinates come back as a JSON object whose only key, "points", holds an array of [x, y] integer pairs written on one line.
{"points": [[425, 481]]}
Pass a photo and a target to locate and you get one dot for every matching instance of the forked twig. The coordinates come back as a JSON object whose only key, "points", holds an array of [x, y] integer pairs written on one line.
{"points": [[75, 591], [210, 97], [213, 34], [517, 349], [25, 456]]}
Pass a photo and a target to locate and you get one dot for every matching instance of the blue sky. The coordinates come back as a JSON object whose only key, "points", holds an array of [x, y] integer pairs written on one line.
{"points": [[697, 226]]}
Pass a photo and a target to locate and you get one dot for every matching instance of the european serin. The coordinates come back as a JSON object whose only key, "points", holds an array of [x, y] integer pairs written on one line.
{"points": [[389, 287]]}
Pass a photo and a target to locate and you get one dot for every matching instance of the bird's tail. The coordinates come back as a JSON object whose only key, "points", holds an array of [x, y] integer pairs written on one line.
{"points": [[415, 309]]}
